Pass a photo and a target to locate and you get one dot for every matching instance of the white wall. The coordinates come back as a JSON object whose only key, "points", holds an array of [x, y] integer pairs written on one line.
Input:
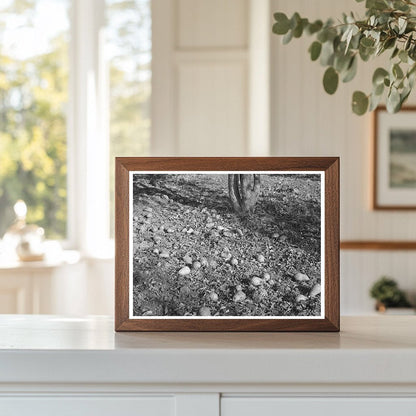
{"points": [[308, 122]]}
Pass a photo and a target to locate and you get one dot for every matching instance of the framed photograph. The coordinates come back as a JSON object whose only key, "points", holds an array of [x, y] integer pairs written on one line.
{"points": [[227, 244], [394, 184]]}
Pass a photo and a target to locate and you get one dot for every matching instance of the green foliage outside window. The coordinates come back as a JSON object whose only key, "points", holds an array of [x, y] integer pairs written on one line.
{"points": [[33, 99]]}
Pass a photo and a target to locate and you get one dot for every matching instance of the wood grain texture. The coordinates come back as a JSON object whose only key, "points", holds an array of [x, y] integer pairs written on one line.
{"points": [[378, 245], [376, 205], [329, 165]]}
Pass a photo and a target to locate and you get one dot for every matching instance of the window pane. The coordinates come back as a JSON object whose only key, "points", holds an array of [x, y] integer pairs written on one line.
{"points": [[34, 38], [129, 55]]}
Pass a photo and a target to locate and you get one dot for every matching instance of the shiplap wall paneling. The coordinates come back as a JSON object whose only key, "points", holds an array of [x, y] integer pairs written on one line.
{"points": [[211, 92]]}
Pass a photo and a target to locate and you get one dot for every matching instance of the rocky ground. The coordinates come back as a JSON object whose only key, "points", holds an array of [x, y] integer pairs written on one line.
{"points": [[192, 255]]}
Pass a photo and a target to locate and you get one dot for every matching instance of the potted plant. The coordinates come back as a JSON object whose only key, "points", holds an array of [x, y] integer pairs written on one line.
{"points": [[388, 295], [389, 27]]}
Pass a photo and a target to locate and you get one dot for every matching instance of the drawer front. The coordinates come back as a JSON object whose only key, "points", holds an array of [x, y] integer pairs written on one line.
{"points": [[87, 406], [267, 406]]}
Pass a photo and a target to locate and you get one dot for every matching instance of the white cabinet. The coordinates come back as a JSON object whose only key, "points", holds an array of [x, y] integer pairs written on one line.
{"points": [[87, 406], [266, 406], [80, 366]]}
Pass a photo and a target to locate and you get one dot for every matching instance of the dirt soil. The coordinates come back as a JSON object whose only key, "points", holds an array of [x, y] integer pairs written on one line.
{"points": [[192, 254]]}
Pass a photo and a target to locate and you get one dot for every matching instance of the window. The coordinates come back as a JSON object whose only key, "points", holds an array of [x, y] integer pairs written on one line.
{"points": [[129, 56], [33, 99], [75, 87]]}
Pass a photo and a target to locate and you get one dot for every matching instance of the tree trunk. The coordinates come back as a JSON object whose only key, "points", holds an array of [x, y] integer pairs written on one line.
{"points": [[244, 191]]}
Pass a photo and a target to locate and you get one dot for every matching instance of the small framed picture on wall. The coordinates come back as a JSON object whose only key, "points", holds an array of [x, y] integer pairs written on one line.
{"points": [[394, 150], [227, 244]]}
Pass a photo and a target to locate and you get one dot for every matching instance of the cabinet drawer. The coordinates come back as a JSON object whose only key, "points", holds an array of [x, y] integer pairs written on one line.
{"points": [[87, 406], [268, 406]]}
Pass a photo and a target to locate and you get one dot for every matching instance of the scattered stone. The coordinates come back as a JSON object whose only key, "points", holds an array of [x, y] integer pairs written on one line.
{"points": [[190, 231], [212, 263], [210, 225], [205, 311], [300, 277], [266, 277], [275, 235], [316, 290], [271, 282], [239, 232], [197, 265], [256, 281], [147, 313], [283, 238], [301, 298], [260, 295], [148, 209], [184, 230], [170, 230], [184, 271], [162, 228], [165, 197], [204, 262], [148, 214], [135, 218], [213, 296], [234, 261], [239, 296], [226, 255], [227, 234], [164, 254], [260, 258], [156, 251], [220, 228], [187, 259], [185, 290], [239, 288]]}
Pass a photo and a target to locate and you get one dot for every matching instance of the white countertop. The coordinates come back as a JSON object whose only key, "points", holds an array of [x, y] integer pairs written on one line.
{"points": [[53, 349]]}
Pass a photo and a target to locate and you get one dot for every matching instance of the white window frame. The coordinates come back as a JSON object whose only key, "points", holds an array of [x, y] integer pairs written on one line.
{"points": [[87, 132]]}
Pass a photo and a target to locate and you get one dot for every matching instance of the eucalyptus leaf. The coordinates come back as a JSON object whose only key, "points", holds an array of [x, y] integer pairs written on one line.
{"points": [[331, 80], [287, 38], [360, 103], [315, 50], [393, 101], [397, 71], [282, 25], [374, 102], [327, 54], [351, 72], [378, 76]]}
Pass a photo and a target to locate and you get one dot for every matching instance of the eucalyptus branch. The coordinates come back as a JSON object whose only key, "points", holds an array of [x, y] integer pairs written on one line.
{"points": [[389, 27]]}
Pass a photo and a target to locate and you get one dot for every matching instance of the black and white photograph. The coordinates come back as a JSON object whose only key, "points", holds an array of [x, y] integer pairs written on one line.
{"points": [[226, 244]]}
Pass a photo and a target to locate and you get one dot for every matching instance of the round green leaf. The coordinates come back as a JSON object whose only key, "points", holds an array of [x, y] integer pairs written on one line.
{"points": [[393, 101], [331, 79], [379, 75], [359, 103], [282, 25], [315, 50]]}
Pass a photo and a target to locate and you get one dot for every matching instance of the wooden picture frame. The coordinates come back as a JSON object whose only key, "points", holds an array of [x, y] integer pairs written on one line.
{"points": [[394, 185], [271, 167]]}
